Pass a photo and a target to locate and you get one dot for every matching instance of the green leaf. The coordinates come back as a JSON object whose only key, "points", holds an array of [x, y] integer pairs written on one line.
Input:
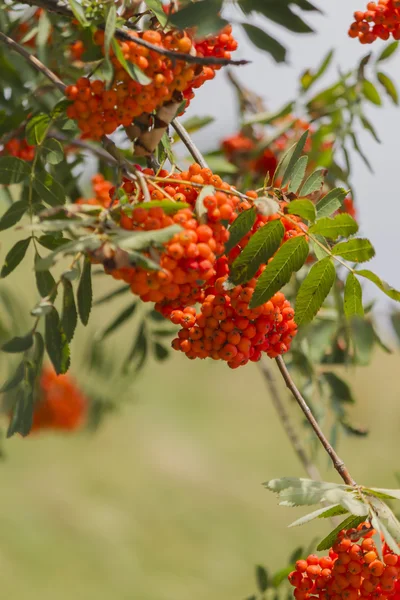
{"points": [[71, 247], [14, 380], [44, 280], [395, 318], [371, 93], [37, 128], [53, 151], [298, 174], [291, 165], [363, 337], [169, 206], [359, 151], [366, 123], [131, 68], [262, 578], [340, 390], [389, 87], [356, 250], [22, 416], [321, 513], [13, 170], [263, 40], [85, 294], [13, 215], [195, 123], [160, 351], [200, 209], [141, 240], [18, 344], [290, 258], [303, 208], [308, 78], [382, 285], [79, 12], [262, 245], [314, 290], [121, 318], [14, 257], [294, 491], [377, 538], [266, 118], [44, 30], [49, 190], [353, 305], [389, 494], [314, 183], [388, 50], [330, 539], [279, 12], [52, 242], [202, 15], [342, 225], [156, 8], [240, 227], [112, 295], [331, 202], [281, 576], [219, 164], [69, 319], [56, 343], [136, 258], [139, 348]]}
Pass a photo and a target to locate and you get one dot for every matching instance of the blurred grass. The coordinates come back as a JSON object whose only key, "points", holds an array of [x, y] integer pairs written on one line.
{"points": [[165, 501]]}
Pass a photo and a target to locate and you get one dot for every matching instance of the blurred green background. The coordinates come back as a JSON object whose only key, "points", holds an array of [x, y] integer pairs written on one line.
{"points": [[165, 501]]}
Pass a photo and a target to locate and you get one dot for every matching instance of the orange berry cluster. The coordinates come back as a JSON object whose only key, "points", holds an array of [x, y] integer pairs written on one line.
{"points": [[194, 268], [380, 20], [227, 329], [351, 571], [240, 149], [188, 261], [61, 404], [20, 149], [349, 207], [102, 189], [99, 110], [219, 45]]}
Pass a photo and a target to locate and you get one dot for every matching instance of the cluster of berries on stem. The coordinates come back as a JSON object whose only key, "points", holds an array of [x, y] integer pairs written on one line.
{"points": [[194, 267], [351, 571], [100, 109], [19, 148], [380, 20]]}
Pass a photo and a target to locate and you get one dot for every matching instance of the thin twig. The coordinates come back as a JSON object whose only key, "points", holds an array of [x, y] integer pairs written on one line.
{"points": [[33, 61], [336, 460], [310, 468], [52, 6], [190, 145], [276, 399]]}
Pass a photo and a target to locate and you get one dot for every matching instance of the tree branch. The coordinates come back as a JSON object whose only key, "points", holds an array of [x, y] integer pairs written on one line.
{"points": [[276, 399], [33, 61], [336, 460], [54, 6], [190, 145]]}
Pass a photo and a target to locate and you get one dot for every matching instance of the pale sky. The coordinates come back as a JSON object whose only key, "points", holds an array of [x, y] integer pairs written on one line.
{"points": [[378, 193]]}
